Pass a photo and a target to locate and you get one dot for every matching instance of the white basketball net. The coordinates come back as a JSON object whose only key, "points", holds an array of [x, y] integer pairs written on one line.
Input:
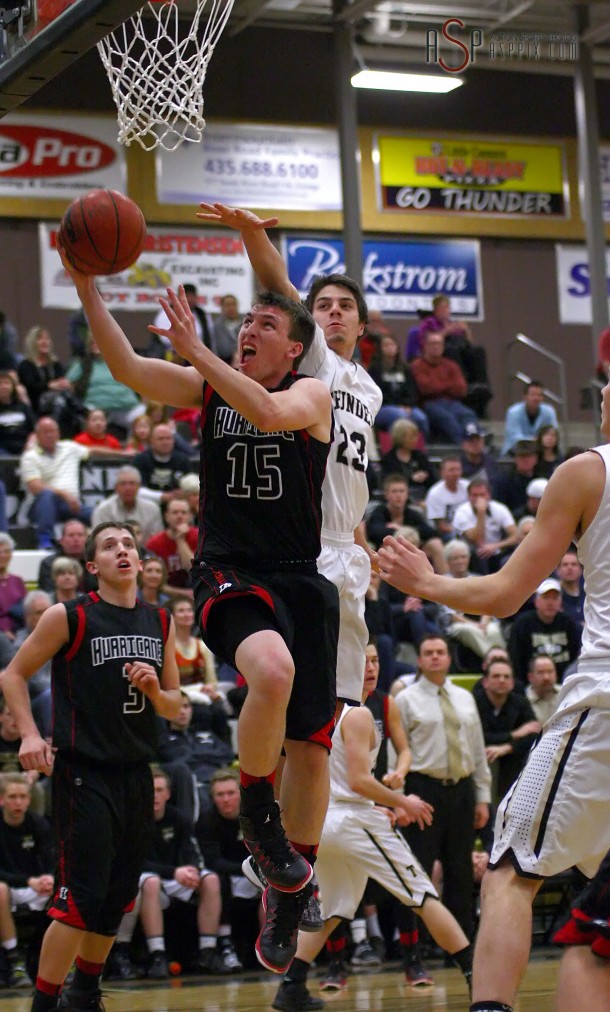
{"points": [[157, 76]]}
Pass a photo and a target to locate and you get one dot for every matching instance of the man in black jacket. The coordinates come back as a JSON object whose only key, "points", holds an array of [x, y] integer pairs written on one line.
{"points": [[173, 869], [509, 725], [162, 466], [396, 513], [26, 877], [224, 851], [545, 630]]}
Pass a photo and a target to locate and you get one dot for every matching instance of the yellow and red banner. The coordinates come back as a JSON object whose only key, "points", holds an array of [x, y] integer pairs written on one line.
{"points": [[471, 176]]}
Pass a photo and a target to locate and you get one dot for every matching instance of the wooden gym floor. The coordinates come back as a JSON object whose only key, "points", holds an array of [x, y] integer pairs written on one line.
{"points": [[253, 992]]}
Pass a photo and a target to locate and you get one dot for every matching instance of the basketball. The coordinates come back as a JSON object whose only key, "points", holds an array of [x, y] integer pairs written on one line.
{"points": [[102, 232]]}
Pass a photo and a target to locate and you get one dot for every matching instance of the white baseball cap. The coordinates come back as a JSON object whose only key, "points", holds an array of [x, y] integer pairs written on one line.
{"points": [[549, 584], [536, 488]]}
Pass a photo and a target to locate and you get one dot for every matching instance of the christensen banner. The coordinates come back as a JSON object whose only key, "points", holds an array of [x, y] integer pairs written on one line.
{"points": [[399, 277], [214, 261], [574, 283], [250, 165], [59, 156], [471, 176]]}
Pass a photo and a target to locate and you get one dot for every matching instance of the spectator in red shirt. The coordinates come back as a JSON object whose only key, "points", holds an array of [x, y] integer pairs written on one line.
{"points": [[441, 386], [94, 435], [176, 546]]}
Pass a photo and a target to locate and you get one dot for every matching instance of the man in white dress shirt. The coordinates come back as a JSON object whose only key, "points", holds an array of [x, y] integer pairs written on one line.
{"points": [[457, 787]]}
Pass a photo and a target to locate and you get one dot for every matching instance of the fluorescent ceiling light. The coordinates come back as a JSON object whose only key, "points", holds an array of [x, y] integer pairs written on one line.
{"points": [[386, 80]]}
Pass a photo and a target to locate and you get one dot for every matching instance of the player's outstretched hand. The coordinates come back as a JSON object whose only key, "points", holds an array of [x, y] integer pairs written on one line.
{"points": [[414, 809], [143, 677], [182, 332], [36, 754], [404, 566], [81, 281], [234, 217]]}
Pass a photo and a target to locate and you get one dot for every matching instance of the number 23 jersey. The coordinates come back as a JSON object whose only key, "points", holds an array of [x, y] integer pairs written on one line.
{"points": [[356, 401]]}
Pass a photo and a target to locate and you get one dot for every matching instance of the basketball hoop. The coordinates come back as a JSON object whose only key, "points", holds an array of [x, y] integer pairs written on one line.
{"points": [[157, 76]]}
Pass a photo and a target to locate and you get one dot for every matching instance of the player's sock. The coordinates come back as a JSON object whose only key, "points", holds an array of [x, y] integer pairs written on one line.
{"points": [[490, 1006], [358, 929], [297, 972], [45, 996], [308, 850], [10, 944], [463, 958], [256, 792], [87, 975], [207, 942], [373, 928], [156, 943], [408, 942]]}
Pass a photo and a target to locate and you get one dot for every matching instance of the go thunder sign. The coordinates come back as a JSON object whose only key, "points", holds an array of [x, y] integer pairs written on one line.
{"points": [[471, 176]]}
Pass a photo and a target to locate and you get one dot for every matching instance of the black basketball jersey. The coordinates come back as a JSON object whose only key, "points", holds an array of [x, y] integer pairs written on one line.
{"points": [[261, 492], [97, 713]]}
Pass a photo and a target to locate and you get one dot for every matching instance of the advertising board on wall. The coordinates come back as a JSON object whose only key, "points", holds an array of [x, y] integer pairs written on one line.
{"points": [[253, 165], [399, 277], [59, 157], [574, 283], [481, 176], [214, 261]]}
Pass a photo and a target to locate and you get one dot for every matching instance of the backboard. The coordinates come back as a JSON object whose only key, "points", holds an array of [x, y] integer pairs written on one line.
{"points": [[40, 38]]}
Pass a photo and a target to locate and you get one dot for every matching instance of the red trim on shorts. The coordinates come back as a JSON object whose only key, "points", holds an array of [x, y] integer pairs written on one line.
{"points": [[601, 947], [324, 735], [264, 595], [71, 916], [80, 631]]}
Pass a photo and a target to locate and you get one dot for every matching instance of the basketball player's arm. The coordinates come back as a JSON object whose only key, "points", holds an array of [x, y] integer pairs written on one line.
{"points": [[356, 731], [267, 262], [396, 778], [152, 378], [164, 693], [569, 503], [305, 405], [49, 636]]}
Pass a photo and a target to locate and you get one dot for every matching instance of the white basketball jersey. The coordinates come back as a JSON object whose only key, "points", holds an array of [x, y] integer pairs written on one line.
{"points": [[339, 781], [593, 554], [356, 401]]}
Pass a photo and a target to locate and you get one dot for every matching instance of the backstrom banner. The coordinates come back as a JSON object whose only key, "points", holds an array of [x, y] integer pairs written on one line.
{"points": [[399, 277], [214, 261], [481, 176]]}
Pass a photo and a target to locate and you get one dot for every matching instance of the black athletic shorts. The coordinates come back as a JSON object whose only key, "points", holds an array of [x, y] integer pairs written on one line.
{"points": [[103, 820], [304, 608]]}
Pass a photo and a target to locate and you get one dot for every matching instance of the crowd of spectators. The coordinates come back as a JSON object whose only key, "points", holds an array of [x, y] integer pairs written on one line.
{"points": [[466, 505]]}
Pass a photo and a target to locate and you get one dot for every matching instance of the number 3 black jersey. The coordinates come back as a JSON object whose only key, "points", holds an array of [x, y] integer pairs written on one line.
{"points": [[97, 713], [261, 492]]}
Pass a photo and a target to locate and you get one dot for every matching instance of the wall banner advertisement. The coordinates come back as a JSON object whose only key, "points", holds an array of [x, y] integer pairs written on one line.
{"points": [[214, 261], [399, 277], [471, 176]]}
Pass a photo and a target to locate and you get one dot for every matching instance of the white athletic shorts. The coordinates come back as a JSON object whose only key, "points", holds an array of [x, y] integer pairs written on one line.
{"points": [[359, 843], [172, 890], [26, 897], [347, 566], [556, 814]]}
